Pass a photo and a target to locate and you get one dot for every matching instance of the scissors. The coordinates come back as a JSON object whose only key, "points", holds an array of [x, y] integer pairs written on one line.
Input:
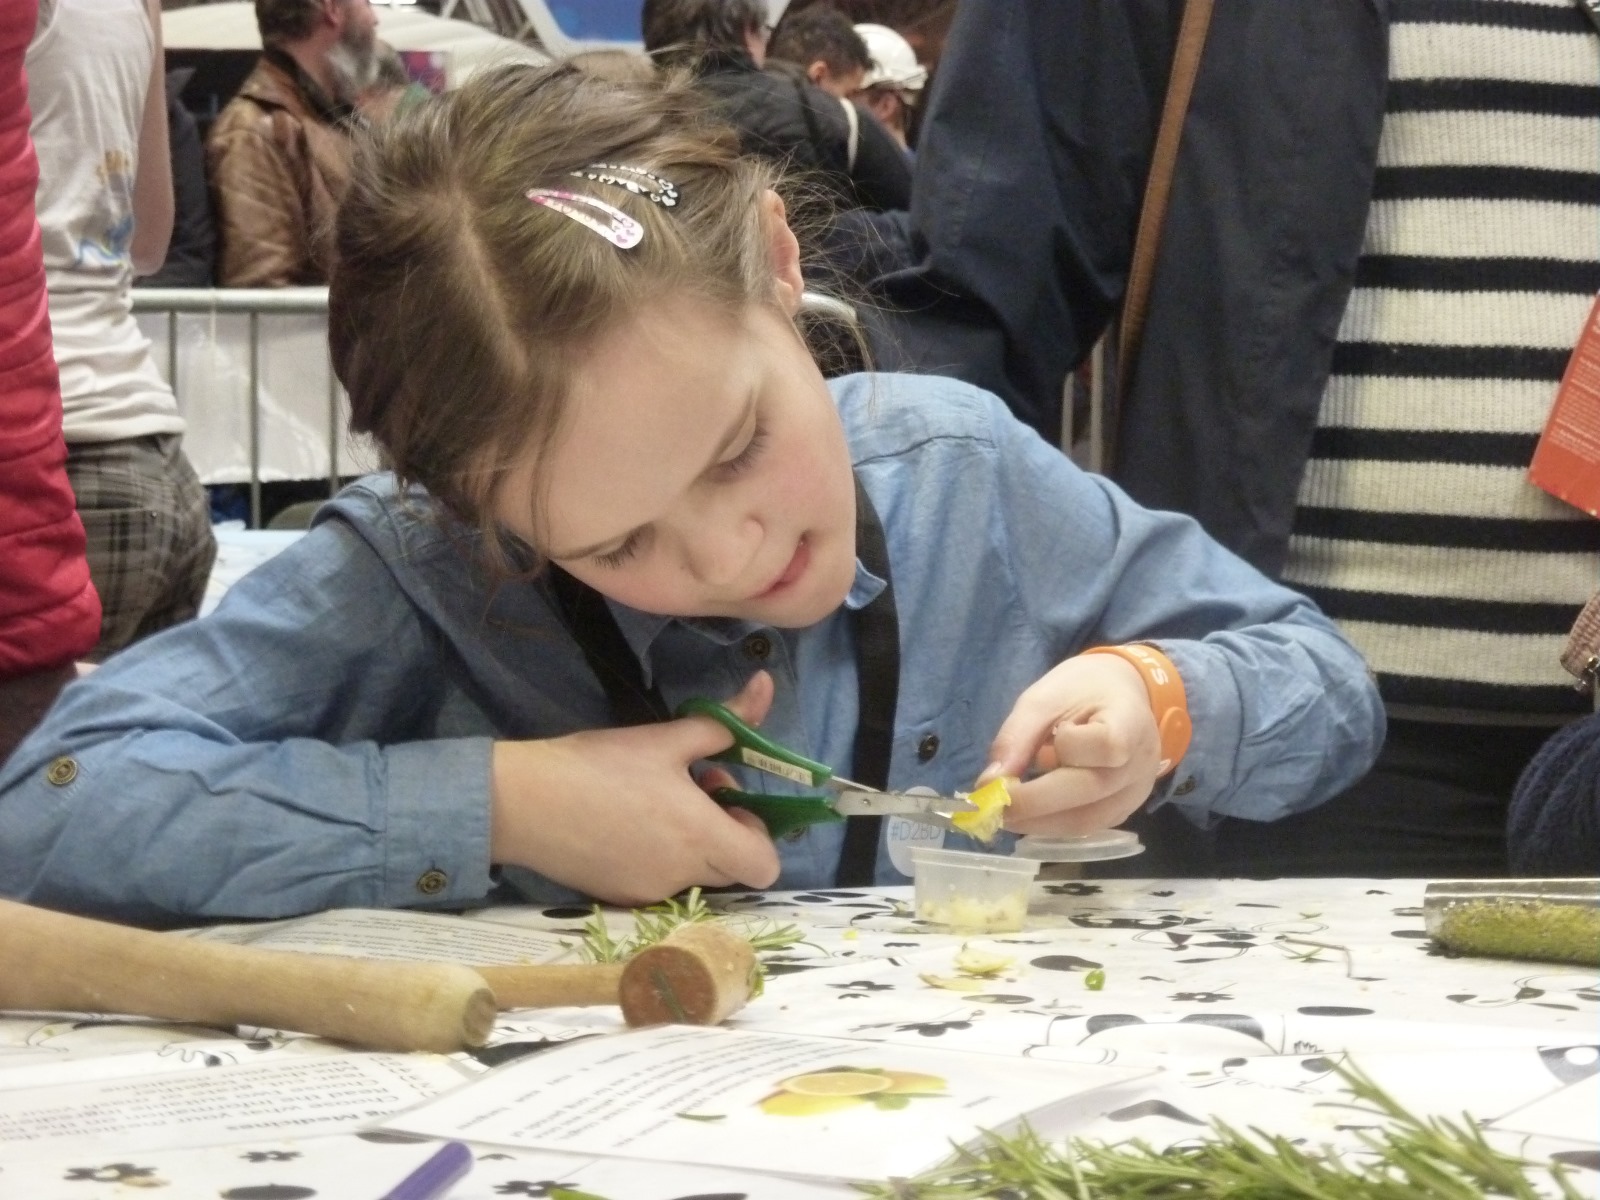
{"points": [[844, 798]]}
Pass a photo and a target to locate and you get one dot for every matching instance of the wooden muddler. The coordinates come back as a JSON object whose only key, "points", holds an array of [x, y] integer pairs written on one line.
{"points": [[53, 962], [553, 985], [697, 975]]}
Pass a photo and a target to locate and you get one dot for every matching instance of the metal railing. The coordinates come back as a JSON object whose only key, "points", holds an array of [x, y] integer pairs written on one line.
{"points": [[253, 303], [256, 303]]}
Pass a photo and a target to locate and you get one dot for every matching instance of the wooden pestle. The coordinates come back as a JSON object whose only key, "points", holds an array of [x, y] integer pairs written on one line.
{"points": [[51, 962], [553, 985], [698, 975]]}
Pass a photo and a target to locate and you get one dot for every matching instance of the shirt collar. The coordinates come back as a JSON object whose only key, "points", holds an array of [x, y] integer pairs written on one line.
{"points": [[641, 629]]}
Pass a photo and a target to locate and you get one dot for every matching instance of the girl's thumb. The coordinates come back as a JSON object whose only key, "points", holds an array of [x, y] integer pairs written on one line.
{"points": [[750, 704], [1014, 748]]}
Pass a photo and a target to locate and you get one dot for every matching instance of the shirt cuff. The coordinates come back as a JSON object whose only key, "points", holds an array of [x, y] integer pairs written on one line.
{"points": [[436, 844]]}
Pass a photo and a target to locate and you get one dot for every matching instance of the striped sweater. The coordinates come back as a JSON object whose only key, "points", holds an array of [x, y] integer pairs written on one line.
{"points": [[1416, 528]]}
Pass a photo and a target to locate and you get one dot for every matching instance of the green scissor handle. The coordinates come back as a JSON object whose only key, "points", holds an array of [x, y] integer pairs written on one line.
{"points": [[780, 814], [753, 749]]}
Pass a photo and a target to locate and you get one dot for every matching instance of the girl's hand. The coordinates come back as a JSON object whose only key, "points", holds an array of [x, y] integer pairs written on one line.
{"points": [[1088, 727], [615, 814]]}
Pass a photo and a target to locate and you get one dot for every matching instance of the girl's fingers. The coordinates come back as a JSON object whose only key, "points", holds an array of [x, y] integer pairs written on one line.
{"points": [[742, 850], [1106, 812], [1090, 741]]}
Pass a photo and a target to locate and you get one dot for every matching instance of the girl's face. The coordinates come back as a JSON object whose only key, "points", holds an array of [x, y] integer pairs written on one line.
{"points": [[701, 470]]}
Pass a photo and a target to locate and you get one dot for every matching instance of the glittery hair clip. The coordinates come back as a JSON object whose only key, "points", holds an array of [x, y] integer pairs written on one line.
{"points": [[616, 226], [636, 179]]}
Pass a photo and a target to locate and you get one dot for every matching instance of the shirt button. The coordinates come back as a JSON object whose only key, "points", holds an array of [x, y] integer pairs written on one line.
{"points": [[928, 747], [62, 772], [1184, 788], [758, 646], [432, 882]]}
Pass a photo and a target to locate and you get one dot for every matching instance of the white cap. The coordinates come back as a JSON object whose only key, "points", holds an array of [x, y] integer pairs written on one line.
{"points": [[893, 60]]}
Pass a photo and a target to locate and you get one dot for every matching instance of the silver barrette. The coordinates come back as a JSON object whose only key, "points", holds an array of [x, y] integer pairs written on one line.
{"points": [[618, 228], [636, 179]]}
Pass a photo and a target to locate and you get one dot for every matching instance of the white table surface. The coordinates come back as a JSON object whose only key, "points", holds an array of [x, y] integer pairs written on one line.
{"points": [[1198, 982]]}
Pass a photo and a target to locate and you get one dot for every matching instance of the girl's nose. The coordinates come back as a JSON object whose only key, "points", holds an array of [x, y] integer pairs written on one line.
{"points": [[719, 548]]}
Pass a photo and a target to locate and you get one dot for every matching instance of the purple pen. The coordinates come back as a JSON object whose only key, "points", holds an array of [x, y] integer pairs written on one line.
{"points": [[434, 1178]]}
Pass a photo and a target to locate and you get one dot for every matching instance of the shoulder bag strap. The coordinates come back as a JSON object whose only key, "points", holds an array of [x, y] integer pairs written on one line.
{"points": [[877, 633], [1581, 655], [1158, 188]]}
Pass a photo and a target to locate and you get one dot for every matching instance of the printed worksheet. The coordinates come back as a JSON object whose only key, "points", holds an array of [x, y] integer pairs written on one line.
{"points": [[805, 1106], [395, 934], [224, 1105]]}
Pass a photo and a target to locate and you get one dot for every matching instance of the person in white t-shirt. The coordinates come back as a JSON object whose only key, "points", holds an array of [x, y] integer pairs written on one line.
{"points": [[97, 93]]}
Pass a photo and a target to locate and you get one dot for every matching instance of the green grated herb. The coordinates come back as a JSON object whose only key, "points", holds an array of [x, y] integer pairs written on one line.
{"points": [[1517, 927]]}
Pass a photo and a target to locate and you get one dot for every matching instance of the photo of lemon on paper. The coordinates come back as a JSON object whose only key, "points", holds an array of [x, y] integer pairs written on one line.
{"points": [[840, 1088]]}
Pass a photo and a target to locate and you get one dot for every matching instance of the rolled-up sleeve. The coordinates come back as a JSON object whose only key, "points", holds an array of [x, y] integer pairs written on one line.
{"points": [[1285, 711], [224, 769]]}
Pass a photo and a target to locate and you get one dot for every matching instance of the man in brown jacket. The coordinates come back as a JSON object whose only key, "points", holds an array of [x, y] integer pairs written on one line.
{"points": [[279, 153]]}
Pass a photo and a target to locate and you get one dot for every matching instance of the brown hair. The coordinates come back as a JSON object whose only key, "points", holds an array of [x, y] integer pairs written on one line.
{"points": [[819, 32], [458, 309], [283, 21], [676, 32]]}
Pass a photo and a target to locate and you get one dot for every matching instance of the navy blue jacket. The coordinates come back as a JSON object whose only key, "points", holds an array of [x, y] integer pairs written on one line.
{"points": [[1030, 171], [1554, 829]]}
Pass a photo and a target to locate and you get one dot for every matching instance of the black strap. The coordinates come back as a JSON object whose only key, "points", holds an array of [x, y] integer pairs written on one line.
{"points": [[588, 618], [877, 630], [877, 634]]}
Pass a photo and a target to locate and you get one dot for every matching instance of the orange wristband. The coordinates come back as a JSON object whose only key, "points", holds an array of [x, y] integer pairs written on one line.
{"points": [[1168, 702]]}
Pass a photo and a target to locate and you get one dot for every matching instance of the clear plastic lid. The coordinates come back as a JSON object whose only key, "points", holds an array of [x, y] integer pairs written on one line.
{"points": [[1090, 847]]}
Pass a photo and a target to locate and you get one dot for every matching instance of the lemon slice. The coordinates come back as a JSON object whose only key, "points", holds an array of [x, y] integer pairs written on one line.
{"points": [[992, 799], [837, 1083]]}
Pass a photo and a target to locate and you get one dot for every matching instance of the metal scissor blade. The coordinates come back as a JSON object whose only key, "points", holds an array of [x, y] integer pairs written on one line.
{"points": [[865, 803]]}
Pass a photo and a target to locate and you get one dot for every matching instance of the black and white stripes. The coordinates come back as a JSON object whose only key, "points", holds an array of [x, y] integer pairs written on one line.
{"points": [[1417, 528]]}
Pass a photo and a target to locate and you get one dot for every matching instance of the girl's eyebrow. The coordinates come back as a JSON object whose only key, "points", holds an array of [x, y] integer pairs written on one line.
{"points": [[728, 438]]}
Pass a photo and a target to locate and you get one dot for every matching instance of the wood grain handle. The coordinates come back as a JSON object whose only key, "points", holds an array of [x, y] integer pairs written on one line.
{"points": [[553, 985], [50, 961]]}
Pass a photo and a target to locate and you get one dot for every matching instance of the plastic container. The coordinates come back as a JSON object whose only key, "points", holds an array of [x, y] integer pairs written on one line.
{"points": [[1090, 847], [972, 893]]}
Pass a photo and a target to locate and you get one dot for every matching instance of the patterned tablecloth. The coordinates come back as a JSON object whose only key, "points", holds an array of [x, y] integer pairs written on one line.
{"points": [[1236, 998]]}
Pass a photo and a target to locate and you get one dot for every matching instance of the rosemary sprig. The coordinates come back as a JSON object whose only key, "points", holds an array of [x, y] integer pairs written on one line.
{"points": [[1413, 1158], [653, 924]]}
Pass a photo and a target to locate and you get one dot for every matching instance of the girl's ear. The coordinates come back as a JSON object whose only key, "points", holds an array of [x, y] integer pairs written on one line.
{"points": [[784, 250]]}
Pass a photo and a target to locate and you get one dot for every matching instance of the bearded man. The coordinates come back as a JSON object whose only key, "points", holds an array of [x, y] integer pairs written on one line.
{"points": [[279, 153]]}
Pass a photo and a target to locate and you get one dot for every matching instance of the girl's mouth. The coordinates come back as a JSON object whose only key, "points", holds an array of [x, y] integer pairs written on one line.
{"points": [[796, 568]]}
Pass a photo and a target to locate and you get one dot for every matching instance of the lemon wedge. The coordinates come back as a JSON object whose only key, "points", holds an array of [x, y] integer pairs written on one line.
{"points": [[991, 800]]}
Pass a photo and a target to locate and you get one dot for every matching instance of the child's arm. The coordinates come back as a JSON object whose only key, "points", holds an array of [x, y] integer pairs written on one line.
{"points": [[1283, 709], [331, 737]]}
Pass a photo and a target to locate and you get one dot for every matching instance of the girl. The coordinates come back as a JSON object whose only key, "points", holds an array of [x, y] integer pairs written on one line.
{"points": [[565, 309]]}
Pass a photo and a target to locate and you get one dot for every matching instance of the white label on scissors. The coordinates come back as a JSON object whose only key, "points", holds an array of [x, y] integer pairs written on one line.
{"points": [[775, 766], [906, 835]]}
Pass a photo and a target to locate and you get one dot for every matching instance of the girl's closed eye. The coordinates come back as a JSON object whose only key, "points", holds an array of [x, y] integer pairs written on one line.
{"points": [[615, 558], [746, 458]]}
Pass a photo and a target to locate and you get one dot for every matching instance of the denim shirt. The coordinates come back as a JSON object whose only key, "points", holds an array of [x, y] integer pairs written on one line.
{"points": [[323, 739]]}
